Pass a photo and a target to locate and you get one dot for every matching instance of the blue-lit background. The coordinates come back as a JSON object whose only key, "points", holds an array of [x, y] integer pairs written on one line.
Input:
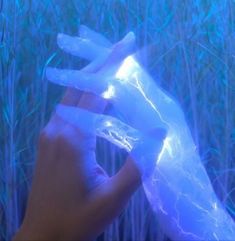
{"points": [[192, 56]]}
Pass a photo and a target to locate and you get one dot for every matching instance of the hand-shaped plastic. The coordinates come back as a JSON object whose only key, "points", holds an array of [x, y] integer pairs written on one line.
{"points": [[104, 81], [179, 190], [143, 147]]}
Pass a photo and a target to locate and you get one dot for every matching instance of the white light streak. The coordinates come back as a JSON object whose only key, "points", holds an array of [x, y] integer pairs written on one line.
{"points": [[166, 147], [108, 123], [126, 69], [215, 206], [109, 93]]}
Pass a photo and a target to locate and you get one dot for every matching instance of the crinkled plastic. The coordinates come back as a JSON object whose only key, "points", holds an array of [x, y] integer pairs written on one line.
{"points": [[179, 189], [144, 148]]}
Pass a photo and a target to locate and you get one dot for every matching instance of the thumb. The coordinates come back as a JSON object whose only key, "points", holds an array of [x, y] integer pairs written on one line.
{"points": [[119, 188], [109, 199], [141, 161]]}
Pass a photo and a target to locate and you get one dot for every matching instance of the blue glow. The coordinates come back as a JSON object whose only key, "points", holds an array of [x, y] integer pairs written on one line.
{"points": [[179, 186], [109, 93], [191, 55]]}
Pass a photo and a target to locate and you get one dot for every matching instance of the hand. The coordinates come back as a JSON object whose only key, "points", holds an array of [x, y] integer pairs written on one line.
{"points": [[117, 81], [179, 186], [72, 197], [143, 148], [107, 60]]}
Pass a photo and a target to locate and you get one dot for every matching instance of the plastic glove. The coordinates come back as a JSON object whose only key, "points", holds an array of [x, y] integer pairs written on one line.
{"points": [[122, 94], [144, 148], [109, 58], [179, 191]]}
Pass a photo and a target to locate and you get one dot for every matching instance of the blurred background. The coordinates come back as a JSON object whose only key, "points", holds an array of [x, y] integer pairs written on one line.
{"points": [[192, 56]]}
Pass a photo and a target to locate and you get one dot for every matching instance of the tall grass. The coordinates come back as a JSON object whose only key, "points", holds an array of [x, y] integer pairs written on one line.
{"points": [[192, 58]]}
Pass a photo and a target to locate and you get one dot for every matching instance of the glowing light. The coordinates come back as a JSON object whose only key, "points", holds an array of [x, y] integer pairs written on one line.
{"points": [[166, 147], [215, 206], [108, 123], [126, 69], [179, 190], [109, 93], [138, 86]]}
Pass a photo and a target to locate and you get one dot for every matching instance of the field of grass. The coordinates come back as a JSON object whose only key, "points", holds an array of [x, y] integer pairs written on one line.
{"points": [[193, 58]]}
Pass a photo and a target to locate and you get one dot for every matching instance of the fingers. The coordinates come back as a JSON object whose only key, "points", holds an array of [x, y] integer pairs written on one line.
{"points": [[110, 128], [145, 149], [71, 97], [120, 51], [80, 47], [80, 80], [92, 103], [97, 64], [87, 33], [112, 57], [82, 119], [76, 47], [116, 192], [84, 80]]}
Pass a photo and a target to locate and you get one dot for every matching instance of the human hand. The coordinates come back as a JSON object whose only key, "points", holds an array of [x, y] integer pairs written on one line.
{"points": [[72, 197], [106, 60]]}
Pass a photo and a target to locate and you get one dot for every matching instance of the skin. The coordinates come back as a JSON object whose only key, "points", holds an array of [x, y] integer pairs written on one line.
{"points": [[65, 202], [72, 197]]}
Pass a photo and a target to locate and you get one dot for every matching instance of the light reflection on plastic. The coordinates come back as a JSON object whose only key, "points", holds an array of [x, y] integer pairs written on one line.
{"points": [[166, 148], [179, 187], [126, 69], [178, 147], [108, 123], [109, 93]]}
